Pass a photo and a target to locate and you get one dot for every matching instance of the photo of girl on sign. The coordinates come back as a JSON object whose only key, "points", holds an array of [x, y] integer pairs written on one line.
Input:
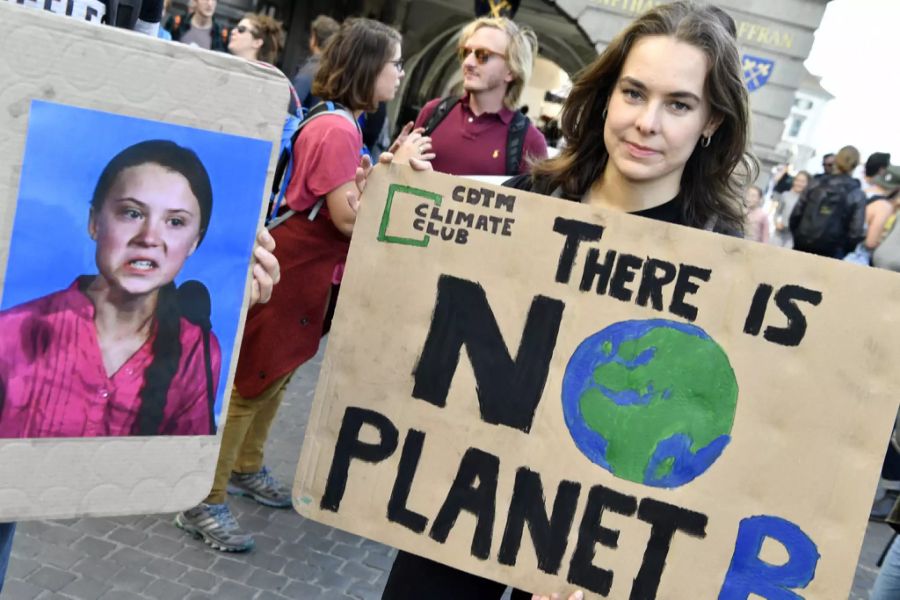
{"points": [[124, 351]]}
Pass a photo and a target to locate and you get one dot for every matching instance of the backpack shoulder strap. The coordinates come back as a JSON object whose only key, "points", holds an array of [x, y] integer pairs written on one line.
{"points": [[286, 159], [329, 107], [320, 109], [515, 142], [440, 112]]}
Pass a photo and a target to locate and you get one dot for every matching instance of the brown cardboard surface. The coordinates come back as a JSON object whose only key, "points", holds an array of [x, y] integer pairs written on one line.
{"points": [[809, 430], [63, 60]]}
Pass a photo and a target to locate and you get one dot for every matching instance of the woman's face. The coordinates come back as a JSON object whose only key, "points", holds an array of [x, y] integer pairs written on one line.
{"points": [[752, 197], [242, 42], [148, 225], [494, 72], [657, 111], [800, 183], [388, 80]]}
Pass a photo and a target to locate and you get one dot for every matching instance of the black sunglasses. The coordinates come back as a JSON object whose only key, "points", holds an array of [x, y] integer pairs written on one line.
{"points": [[482, 55], [245, 29]]}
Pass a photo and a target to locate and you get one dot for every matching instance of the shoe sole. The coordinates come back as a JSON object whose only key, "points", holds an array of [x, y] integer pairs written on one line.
{"points": [[209, 541], [235, 491]]}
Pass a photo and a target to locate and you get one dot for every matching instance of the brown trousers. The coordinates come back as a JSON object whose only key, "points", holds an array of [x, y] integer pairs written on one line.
{"points": [[246, 430]]}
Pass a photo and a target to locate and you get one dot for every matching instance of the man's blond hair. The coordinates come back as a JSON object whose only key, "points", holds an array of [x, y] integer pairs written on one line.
{"points": [[521, 51]]}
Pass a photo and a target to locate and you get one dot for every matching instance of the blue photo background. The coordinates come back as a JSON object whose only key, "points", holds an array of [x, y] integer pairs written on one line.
{"points": [[65, 151]]}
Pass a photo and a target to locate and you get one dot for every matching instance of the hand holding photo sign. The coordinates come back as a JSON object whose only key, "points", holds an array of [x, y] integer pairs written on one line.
{"points": [[128, 214], [546, 394]]}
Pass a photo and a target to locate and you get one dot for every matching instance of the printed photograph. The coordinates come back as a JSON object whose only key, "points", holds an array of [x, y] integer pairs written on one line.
{"points": [[125, 277]]}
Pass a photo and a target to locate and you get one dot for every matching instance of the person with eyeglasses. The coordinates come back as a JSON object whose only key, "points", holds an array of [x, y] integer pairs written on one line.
{"points": [[484, 133], [827, 165], [260, 39], [361, 66]]}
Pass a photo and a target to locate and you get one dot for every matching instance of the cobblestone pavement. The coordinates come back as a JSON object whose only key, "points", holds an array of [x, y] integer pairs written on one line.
{"points": [[146, 557]]}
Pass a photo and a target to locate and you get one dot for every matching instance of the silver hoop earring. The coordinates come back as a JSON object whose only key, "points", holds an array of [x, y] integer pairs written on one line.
{"points": [[705, 141], [603, 114]]}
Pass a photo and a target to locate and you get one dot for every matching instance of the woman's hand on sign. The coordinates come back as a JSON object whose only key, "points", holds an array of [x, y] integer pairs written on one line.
{"points": [[416, 147], [266, 270], [412, 146], [404, 133], [362, 174], [577, 595]]}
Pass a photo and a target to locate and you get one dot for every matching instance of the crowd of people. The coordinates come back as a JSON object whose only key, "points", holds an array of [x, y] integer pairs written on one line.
{"points": [[656, 126], [846, 212]]}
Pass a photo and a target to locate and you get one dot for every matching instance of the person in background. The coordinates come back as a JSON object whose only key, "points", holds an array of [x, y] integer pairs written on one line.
{"points": [[322, 28], [887, 254], [361, 67], [757, 227], [200, 28], [471, 136], [781, 180], [785, 205], [829, 217], [879, 208], [260, 39], [883, 185], [163, 33], [876, 164], [827, 165], [173, 22]]}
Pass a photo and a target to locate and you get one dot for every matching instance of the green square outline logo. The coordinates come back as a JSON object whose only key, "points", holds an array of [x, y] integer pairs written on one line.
{"points": [[386, 216]]}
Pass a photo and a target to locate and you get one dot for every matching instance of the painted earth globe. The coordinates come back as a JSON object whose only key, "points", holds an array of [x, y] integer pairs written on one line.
{"points": [[650, 401]]}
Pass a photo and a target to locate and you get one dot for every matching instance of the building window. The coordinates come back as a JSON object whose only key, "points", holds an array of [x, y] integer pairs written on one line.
{"points": [[803, 103], [796, 125]]}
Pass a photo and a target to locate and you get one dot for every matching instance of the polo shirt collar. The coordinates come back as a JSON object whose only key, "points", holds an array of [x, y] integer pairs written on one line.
{"points": [[504, 114]]}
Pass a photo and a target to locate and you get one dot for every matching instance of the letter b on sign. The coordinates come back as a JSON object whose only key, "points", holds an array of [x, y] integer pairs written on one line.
{"points": [[749, 574]]}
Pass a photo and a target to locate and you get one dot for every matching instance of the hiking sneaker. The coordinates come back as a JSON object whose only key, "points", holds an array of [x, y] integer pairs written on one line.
{"points": [[262, 487], [215, 524]]}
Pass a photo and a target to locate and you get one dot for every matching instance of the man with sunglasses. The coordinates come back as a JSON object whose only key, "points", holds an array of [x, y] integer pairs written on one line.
{"points": [[827, 166], [483, 133]]}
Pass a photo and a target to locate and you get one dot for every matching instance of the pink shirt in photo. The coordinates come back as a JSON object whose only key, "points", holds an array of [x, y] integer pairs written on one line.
{"points": [[53, 382]]}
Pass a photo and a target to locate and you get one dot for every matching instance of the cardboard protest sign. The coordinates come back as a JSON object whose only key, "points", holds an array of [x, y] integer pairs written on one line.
{"points": [[133, 181], [556, 396]]}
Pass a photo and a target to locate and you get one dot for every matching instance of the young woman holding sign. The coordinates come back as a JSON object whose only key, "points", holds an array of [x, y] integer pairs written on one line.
{"points": [[656, 126]]}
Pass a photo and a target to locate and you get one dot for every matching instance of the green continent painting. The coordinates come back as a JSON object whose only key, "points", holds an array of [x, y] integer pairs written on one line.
{"points": [[650, 401]]}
